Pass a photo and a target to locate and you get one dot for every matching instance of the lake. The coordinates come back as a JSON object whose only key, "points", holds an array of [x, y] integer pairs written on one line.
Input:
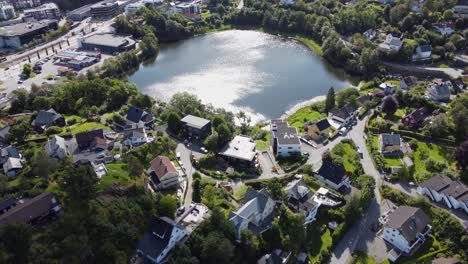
{"points": [[262, 74]]}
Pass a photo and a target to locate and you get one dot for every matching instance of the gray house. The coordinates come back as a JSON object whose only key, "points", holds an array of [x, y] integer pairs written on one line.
{"points": [[196, 127], [56, 147], [46, 119], [440, 91]]}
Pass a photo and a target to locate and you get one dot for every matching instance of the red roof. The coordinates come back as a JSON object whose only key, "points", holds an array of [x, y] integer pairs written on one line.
{"points": [[162, 165]]}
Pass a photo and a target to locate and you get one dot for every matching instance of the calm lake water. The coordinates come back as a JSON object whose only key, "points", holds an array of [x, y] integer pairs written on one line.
{"points": [[262, 74]]}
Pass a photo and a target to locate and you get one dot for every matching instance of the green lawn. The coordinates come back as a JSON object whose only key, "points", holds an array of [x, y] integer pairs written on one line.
{"points": [[319, 245], [302, 116], [75, 129], [262, 145], [397, 116], [117, 173], [349, 155], [425, 253], [436, 152], [362, 258], [78, 119]]}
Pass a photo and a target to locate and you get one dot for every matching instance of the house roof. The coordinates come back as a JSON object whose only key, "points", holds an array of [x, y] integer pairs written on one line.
{"points": [[136, 115], [4, 132], [390, 139], [297, 189], [457, 190], [409, 221], [440, 87], [332, 172], [344, 112], [12, 164], [10, 152], [363, 98], [425, 48], [254, 203], [270, 259], [45, 118], [88, 137], [323, 124], [437, 183], [6, 204], [420, 114], [241, 147], [162, 165], [57, 142], [195, 121], [30, 209], [157, 236], [283, 133]]}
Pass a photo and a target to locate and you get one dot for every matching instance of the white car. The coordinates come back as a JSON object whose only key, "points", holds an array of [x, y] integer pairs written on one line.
{"points": [[204, 150], [412, 184], [178, 155]]}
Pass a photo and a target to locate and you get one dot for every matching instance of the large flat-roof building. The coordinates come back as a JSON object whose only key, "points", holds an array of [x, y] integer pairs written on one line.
{"points": [[14, 36], [105, 9], [80, 13], [197, 127], [107, 43], [284, 139], [241, 150], [22, 4], [45, 11]]}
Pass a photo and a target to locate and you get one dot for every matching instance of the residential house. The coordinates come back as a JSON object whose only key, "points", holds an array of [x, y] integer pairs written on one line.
{"points": [[390, 145], [443, 189], [370, 34], [57, 147], [12, 167], [196, 127], [388, 88], [417, 118], [32, 211], [160, 238], [320, 130], [91, 139], [301, 199], [45, 119], [9, 152], [423, 53], [4, 131], [277, 256], [392, 43], [408, 81], [241, 151], [445, 28], [333, 175], [343, 115], [460, 10], [284, 139], [135, 136], [362, 99], [256, 213], [439, 90], [140, 117], [163, 174], [406, 228]]}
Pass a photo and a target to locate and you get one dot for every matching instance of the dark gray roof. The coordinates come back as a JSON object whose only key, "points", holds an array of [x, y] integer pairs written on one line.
{"points": [[10, 152], [332, 172], [270, 259], [4, 131], [5, 204], [263, 195], [157, 237], [283, 133], [21, 29], [88, 137], [437, 183], [45, 118], [136, 115], [409, 221], [390, 139], [195, 121], [425, 48], [322, 124], [344, 112], [457, 190]]}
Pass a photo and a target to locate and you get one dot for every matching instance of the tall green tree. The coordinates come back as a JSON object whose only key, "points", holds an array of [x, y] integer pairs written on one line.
{"points": [[216, 249], [389, 106], [135, 167], [330, 100], [79, 184], [17, 240], [167, 206], [173, 122]]}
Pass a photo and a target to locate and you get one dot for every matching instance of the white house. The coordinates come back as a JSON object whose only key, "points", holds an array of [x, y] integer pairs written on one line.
{"points": [[370, 34], [342, 116], [443, 189], [392, 43], [12, 167], [422, 53], [388, 88], [445, 28], [284, 139], [135, 136], [133, 8], [161, 237], [163, 174], [56, 147], [255, 214], [440, 90], [301, 199], [333, 175], [405, 229]]}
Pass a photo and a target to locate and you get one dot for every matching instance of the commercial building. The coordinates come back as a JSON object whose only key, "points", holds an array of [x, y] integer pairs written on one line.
{"points": [[15, 36], [284, 139], [7, 11], [23, 4], [45, 11], [80, 13], [77, 60], [107, 43], [104, 9], [196, 126]]}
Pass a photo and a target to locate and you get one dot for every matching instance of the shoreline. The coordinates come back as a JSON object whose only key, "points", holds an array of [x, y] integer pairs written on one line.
{"points": [[301, 105]]}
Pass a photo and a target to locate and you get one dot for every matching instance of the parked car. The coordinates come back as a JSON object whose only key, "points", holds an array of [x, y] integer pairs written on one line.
{"points": [[412, 184], [305, 153], [178, 155], [204, 150], [180, 210], [343, 131]]}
